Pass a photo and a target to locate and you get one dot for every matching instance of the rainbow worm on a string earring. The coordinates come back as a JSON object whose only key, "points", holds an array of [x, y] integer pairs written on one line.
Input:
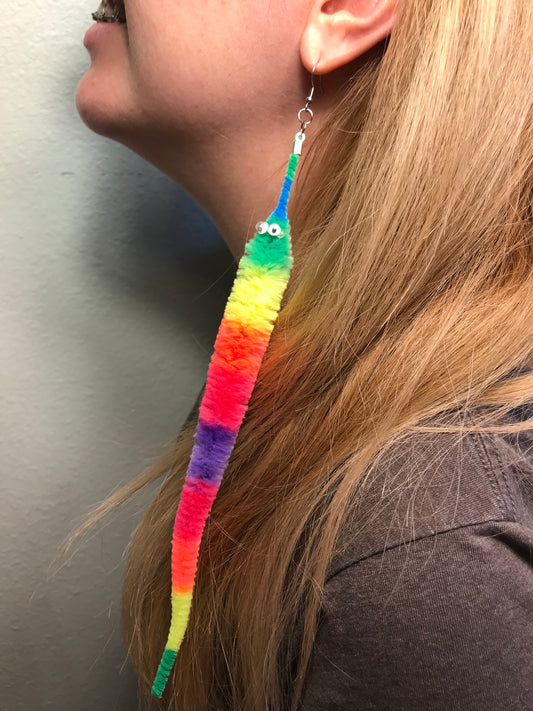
{"points": [[242, 339]]}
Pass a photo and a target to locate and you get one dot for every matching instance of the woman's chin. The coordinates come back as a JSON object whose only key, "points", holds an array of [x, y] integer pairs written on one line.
{"points": [[99, 105]]}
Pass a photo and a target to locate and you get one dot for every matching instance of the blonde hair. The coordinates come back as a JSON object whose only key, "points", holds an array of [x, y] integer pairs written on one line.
{"points": [[409, 306]]}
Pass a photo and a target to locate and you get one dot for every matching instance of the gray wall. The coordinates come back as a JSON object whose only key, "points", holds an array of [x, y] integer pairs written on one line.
{"points": [[112, 286]]}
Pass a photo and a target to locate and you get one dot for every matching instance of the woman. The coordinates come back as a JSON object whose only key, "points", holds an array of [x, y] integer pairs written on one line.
{"points": [[371, 544]]}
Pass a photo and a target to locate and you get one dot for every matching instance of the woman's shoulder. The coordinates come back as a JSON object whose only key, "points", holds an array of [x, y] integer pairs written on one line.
{"points": [[431, 483], [446, 617], [433, 583]]}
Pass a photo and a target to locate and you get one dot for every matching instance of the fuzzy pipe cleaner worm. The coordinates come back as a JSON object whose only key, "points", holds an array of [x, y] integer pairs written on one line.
{"points": [[242, 339]]}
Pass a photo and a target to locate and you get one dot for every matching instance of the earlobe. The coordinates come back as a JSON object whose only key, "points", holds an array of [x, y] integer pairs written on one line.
{"points": [[339, 31]]}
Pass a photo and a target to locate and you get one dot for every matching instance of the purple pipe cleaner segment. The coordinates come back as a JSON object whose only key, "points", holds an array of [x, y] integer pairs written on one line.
{"points": [[211, 452]]}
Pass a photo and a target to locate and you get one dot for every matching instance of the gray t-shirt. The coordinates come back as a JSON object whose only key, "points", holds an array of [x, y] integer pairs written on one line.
{"points": [[430, 606]]}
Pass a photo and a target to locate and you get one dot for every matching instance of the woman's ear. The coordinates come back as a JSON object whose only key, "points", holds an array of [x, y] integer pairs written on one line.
{"points": [[338, 31]]}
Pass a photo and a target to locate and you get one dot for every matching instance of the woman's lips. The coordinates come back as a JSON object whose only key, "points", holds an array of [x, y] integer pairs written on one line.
{"points": [[98, 30]]}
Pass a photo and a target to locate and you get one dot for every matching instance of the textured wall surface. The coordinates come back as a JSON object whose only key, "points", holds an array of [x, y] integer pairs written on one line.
{"points": [[112, 285]]}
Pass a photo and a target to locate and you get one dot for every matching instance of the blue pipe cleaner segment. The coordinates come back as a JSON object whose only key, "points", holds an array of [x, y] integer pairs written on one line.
{"points": [[281, 210]]}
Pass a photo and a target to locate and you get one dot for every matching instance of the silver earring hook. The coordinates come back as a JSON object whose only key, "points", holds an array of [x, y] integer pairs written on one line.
{"points": [[300, 136], [310, 97], [308, 101]]}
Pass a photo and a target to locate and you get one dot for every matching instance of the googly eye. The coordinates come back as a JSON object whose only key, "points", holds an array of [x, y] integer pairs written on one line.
{"points": [[261, 228], [274, 230]]}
